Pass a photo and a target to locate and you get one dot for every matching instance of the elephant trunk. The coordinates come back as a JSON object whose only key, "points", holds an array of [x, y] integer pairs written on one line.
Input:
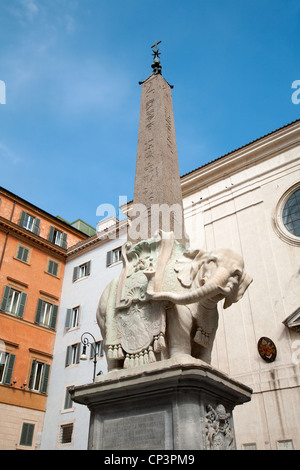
{"points": [[210, 289]]}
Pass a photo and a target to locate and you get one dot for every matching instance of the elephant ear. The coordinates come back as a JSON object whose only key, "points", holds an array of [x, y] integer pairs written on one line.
{"points": [[239, 291], [188, 266]]}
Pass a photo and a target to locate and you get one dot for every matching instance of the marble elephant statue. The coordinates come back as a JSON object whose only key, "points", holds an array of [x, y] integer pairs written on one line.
{"points": [[204, 279], [164, 303]]}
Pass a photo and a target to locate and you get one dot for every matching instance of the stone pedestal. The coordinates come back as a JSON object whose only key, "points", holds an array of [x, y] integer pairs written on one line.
{"points": [[177, 405]]}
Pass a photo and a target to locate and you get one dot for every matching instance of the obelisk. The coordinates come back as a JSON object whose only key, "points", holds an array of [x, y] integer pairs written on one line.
{"points": [[152, 399], [157, 200]]}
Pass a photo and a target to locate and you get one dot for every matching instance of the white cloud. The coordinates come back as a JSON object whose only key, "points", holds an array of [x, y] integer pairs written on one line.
{"points": [[30, 7], [7, 154], [24, 10]]}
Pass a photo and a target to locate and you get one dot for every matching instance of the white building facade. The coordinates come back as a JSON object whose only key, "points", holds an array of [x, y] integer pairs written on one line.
{"points": [[248, 201]]}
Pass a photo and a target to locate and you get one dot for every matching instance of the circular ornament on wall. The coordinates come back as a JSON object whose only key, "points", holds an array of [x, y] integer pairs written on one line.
{"points": [[267, 349]]}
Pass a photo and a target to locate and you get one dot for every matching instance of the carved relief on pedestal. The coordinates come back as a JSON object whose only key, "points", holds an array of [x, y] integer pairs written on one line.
{"points": [[219, 433]]}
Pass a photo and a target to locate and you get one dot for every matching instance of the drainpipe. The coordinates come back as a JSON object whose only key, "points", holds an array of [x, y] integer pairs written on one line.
{"points": [[5, 243]]}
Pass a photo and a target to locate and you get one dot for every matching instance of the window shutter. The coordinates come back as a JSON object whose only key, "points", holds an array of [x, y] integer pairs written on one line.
{"points": [[23, 253], [53, 317], [4, 298], [52, 267], [36, 226], [68, 356], [51, 234], [88, 268], [20, 253], [38, 311], [32, 374], [109, 258], [27, 434], [9, 369], [22, 218], [21, 308], [75, 273], [45, 377], [78, 354], [64, 240], [68, 319]]}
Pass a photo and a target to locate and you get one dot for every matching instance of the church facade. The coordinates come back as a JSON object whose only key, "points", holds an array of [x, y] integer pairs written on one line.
{"points": [[247, 201]]}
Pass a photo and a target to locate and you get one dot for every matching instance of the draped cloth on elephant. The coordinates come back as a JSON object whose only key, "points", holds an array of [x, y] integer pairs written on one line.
{"points": [[135, 325]]}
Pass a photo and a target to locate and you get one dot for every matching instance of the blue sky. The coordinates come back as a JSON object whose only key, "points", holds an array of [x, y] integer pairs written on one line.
{"points": [[69, 128]]}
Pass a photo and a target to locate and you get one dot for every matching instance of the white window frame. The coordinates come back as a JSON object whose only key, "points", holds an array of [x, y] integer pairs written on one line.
{"points": [[13, 301], [36, 383], [28, 222]]}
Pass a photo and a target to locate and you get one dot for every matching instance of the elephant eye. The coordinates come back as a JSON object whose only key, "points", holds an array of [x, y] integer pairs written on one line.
{"points": [[237, 273]]}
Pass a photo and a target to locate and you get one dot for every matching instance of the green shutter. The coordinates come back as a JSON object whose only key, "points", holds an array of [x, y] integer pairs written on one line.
{"points": [[36, 226], [75, 273], [9, 369], [27, 434], [5, 298], [64, 240], [23, 253], [52, 267], [39, 311], [53, 317], [51, 234], [32, 374], [68, 356], [22, 303], [88, 268], [45, 377], [68, 318], [22, 218], [109, 258], [20, 253], [78, 354]]}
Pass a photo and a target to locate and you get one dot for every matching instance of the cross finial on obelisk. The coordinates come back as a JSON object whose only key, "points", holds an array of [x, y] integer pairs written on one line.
{"points": [[156, 53], [157, 179], [156, 62]]}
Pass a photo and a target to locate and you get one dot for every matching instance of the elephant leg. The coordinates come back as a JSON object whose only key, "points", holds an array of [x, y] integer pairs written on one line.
{"points": [[179, 325], [206, 324]]}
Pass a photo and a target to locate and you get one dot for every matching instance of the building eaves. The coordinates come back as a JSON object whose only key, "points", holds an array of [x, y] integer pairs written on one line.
{"points": [[58, 220], [240, 148]]}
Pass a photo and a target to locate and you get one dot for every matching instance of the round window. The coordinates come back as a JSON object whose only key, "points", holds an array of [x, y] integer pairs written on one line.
{"points": [[291, 214]]}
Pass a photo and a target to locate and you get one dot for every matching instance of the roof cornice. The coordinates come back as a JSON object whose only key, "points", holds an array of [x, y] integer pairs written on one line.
{"points": [[251, 154], [11, 228]]}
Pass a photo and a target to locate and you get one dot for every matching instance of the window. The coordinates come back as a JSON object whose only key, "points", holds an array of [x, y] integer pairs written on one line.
{"points": [[286, 220], [81, 271], [73, 354], [52, 268], [27, 434], [57, 237], [72, 317], [291, 213], [285, 445], [22, 254], [7, 362], [251, 446], [98, 345], [29, 222], [66, 433], [113, 256], [13, 301], [39, 377], [68, 403], [46, 314]]}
